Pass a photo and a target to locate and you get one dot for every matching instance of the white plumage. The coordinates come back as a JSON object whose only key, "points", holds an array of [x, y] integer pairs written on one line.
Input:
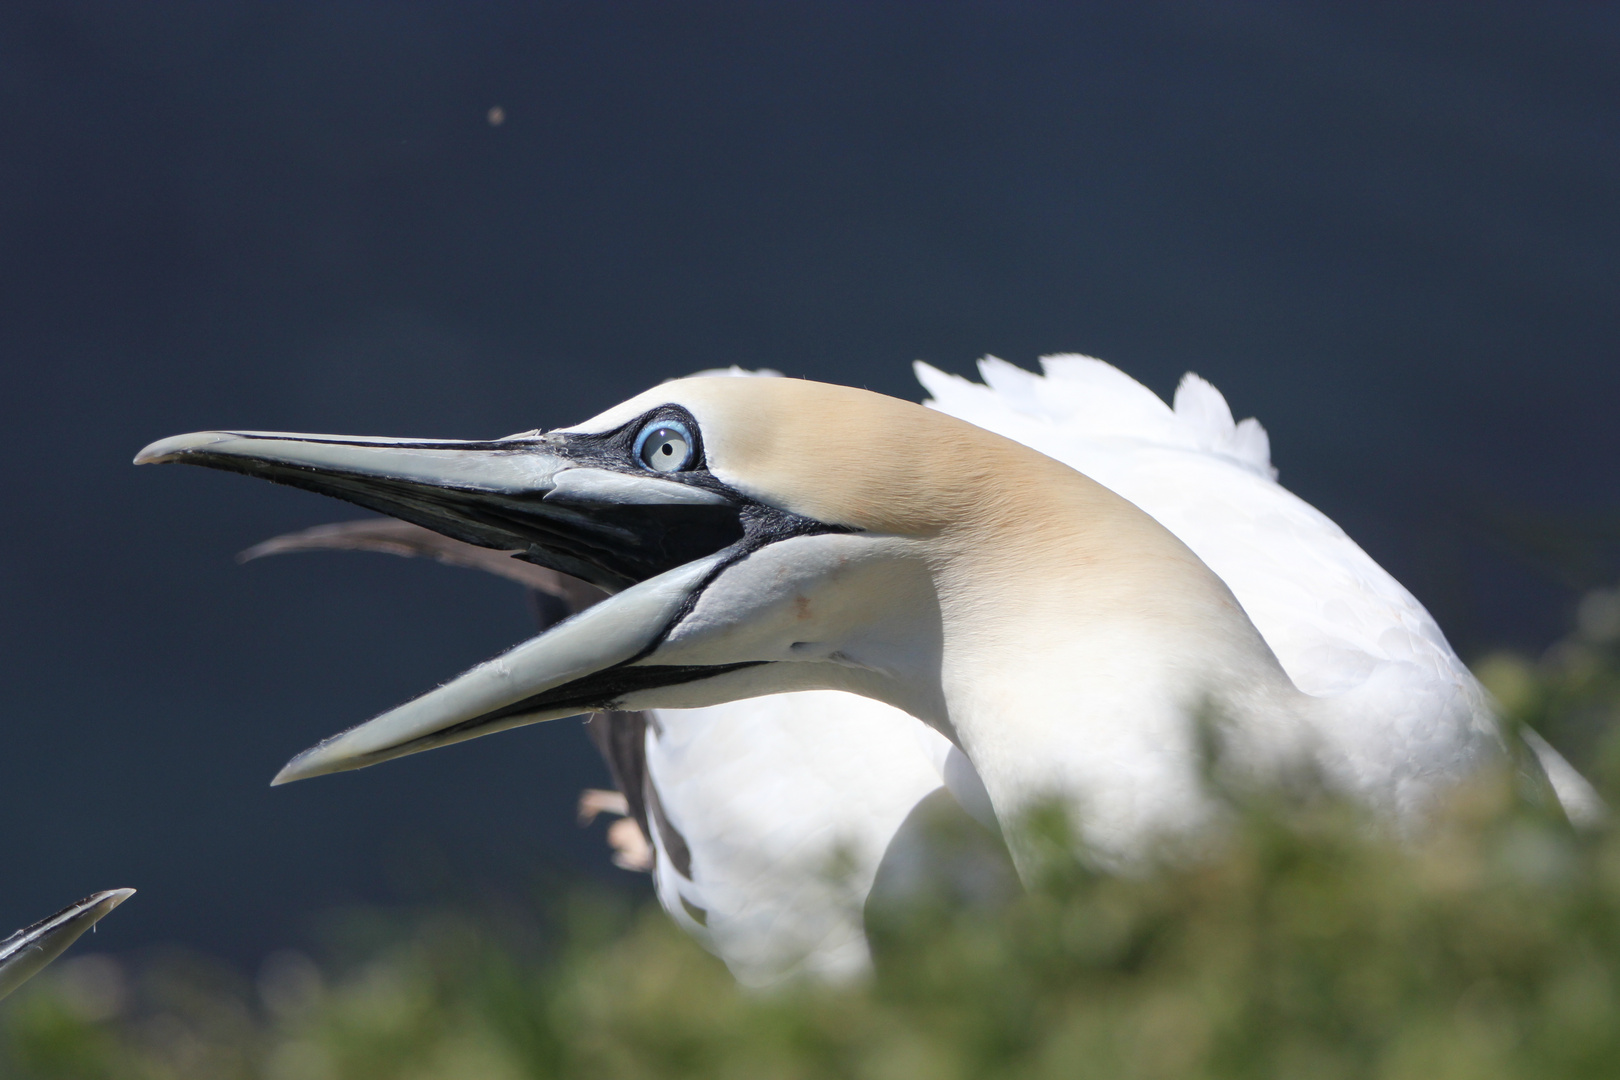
{"points": [[787, 804], [1061, 631], [768, 791]]}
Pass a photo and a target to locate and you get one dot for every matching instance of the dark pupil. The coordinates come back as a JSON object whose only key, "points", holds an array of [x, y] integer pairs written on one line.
{"points": [[664, 446]]}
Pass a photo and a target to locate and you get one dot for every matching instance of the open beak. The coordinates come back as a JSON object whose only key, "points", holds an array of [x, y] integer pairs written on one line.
{"points": [[25, 952], [553, 499]]}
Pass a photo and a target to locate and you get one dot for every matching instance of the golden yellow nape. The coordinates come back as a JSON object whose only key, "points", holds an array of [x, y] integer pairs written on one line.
{"points": [[854, 458]]}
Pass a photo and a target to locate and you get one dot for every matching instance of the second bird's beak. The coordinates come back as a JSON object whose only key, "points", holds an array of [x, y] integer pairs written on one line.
{"points": [[553, 499], [31, 948]]}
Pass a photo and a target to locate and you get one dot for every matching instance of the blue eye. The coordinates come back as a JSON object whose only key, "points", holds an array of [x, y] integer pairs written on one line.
{"points": [[665, 446]]}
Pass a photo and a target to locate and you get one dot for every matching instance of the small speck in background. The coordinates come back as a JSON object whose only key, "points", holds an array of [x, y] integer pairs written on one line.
{"points": [[496, 116]]}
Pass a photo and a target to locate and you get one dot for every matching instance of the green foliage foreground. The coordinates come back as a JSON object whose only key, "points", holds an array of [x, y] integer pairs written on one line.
{"points": [[1305, 943], [1312, 949]]}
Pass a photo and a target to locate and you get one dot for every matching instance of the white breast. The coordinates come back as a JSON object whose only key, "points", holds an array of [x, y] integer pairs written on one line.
{"points": [[786, 805]]}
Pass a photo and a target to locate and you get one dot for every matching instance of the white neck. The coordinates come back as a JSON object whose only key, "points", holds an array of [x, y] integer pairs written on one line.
{"points": [[1096, 675], [1118, 727]]}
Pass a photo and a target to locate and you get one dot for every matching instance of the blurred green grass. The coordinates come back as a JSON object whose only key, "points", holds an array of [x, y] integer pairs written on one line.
{"points": [[1305, 943]]}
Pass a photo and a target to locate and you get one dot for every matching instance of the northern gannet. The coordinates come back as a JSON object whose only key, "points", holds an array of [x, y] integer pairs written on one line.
{"points": [[31, 948], [771, 535]]}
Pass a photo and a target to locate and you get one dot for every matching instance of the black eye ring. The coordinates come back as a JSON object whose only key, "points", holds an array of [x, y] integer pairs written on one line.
{"points": [[665, 446]]}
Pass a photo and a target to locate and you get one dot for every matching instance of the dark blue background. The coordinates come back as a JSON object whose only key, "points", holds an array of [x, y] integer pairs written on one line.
{"points": [[1389, 231]]}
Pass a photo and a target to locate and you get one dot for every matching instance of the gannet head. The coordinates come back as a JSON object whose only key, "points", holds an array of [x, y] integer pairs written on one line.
{"points": [[759, 535]]}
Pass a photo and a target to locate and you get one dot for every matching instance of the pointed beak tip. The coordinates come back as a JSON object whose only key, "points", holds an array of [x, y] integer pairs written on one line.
{"points": [[302, 767], [113, 897], [176, 446]]}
